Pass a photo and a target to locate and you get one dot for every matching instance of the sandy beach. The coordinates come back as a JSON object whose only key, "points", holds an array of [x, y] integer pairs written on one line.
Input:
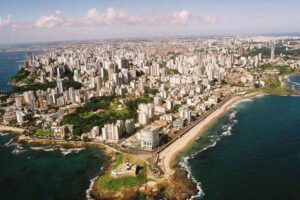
{"points": [[282, 80], [11, 129], [169, 154]]}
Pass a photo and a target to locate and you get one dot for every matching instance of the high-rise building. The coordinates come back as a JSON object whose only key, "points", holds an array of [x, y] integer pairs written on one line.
{"points": [[95, 132], [60, 87], [98, 81], [155, 69], [112, 133], [272, 53], [129, 126]]}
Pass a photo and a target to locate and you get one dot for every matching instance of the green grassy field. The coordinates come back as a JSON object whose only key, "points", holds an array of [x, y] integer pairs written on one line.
{"points": [[107, 182], [102, 110], [44, 133], [284, 69], [118, 162], [273, 84]]}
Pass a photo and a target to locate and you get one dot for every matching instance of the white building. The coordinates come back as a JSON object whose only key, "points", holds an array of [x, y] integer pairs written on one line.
{"points": [[149, 137], [112, 133]]}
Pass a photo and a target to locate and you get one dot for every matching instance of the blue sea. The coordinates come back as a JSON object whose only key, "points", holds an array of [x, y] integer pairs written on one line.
{"points": [[49, 173], [9, 66], [293, 82], [252, 152], [46, 173]]}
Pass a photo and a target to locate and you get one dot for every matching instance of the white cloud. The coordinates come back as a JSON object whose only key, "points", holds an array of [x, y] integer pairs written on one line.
{"points": [[209, 19], [95, 18], [110, 17], [5, 21], [55, 20], [181, 18], [113, 16]]}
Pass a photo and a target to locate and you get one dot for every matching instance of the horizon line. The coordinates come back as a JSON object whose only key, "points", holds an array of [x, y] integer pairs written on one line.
{"points": [[270, 34]]}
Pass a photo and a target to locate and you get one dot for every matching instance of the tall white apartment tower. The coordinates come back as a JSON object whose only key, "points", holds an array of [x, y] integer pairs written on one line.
{"points": [[60, 86], [272, 53]]}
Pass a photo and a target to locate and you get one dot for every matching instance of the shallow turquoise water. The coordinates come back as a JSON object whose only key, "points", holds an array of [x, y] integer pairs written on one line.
{"points": [[258, 159]]}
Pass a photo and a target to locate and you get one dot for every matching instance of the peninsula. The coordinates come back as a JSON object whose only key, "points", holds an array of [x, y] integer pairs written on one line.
{"points": [[143, 102]]}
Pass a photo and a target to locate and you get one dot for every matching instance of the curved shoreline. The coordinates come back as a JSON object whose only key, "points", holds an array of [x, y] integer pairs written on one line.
{"points": [[68, 144], [171, 154]]}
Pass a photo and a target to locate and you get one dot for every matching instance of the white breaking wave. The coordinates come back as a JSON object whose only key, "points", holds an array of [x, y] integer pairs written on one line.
{"points": [[18, 149], [88, 191], [42, 149], [214, 139], [205, 148], [232, 115], [50, 149], [226, 133], [227, 128], [36, 148], [4, 134], [241, 101], [9, 143], [185, 165], [296, 83], [68, 151], [64, 151]]}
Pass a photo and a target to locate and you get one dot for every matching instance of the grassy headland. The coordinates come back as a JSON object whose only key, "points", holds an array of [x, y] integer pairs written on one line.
{"points": [[274, 84], [107, 182]]}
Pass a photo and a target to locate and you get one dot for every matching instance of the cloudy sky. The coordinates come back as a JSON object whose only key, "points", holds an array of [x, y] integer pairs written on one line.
{"points": [[53, 20]]}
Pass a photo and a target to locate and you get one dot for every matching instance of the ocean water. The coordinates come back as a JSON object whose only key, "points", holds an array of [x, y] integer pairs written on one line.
{"points": [[9, 66], [252, 152], [293, 82], [46, 173]]}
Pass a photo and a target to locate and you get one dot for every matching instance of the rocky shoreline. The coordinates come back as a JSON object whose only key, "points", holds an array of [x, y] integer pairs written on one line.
{"points": [[178, 186]]}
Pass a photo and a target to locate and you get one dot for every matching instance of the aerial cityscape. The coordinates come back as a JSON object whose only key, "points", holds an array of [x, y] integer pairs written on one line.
{"points": [[120, 100]]}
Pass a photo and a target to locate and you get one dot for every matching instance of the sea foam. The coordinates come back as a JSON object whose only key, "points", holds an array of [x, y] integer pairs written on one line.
{"points": [[214, 139], [4, 134], [88, 191], [185, 165], [68, 151]]}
